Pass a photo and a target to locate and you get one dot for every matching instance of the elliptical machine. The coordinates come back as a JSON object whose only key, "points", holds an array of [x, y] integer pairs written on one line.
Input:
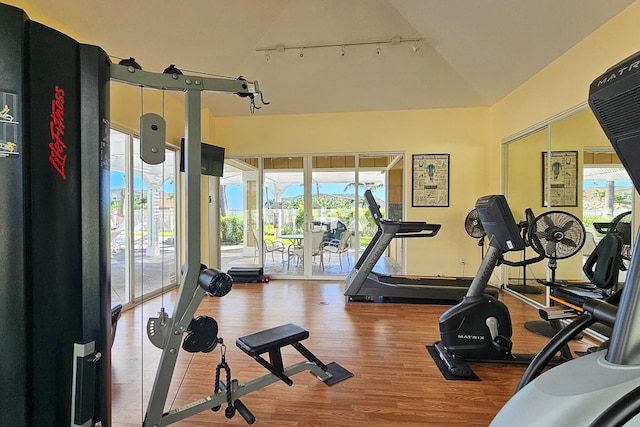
{"points": [[601, 388], [479, 327]]}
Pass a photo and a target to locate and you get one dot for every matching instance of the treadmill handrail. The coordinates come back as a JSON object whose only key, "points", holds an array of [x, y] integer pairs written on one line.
{"points": [[405, 227], [387, 230], [368, 249], [410, 228]]}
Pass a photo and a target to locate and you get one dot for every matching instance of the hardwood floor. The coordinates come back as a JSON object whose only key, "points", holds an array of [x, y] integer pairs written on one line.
{"points": [[396, 382]]}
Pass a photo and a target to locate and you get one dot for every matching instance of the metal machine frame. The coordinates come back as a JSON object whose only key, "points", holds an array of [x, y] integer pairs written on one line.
{"points": [[167, 331]]}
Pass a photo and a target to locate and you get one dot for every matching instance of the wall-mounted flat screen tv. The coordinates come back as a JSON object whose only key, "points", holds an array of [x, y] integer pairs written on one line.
{"points": [[212, 159]]}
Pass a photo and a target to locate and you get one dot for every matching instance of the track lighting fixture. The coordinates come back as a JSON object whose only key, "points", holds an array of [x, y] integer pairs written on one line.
{"points": [[267, 56], [395, 40]]}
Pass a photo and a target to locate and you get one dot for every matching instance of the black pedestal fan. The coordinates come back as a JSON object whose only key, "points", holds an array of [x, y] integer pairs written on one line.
{"points": [[473, 227], [559, 235]]}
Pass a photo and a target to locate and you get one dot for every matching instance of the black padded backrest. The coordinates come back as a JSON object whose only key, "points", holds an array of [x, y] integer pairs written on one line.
{"points": [[603, 265]]}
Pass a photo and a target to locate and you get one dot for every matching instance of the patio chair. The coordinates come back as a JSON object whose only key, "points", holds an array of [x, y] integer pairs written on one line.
{"points": [[339, 247], [269, 246], [297, 251]]}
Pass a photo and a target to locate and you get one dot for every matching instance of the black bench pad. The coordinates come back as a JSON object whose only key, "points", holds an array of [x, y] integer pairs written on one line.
{"points": [[269, 339]]}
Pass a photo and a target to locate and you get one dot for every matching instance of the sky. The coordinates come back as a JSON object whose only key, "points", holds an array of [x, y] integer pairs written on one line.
{"points": [[602, 184], [234, 192]]}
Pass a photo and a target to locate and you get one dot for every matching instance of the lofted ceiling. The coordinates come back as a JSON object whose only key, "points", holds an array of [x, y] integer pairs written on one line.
{"points": [[471, 52]]}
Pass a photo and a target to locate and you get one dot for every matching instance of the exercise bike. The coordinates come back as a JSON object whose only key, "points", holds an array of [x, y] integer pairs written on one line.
{"points": [[479, 327]]}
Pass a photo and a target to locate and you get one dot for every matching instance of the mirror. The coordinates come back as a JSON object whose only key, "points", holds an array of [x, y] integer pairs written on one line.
{"points": [[524, 191], [570, 162]]}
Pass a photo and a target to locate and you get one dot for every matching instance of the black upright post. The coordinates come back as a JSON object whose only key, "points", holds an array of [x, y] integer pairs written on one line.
{"points": [[95, 194], [13, 230], [55, 249], [54, 206]]}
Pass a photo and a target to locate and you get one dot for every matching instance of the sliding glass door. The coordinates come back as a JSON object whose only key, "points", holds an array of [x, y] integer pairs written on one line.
{"points": [[283, 216], [310, 219], [333, 213], [143, 221], [239, 214], [119, 217]]}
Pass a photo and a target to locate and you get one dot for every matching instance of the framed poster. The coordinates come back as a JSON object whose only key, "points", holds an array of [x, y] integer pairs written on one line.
{"points": [[430, 180], [560, 178]]}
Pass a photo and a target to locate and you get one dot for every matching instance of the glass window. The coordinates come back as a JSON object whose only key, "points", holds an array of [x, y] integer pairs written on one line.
{"points": [[143, 221], [268, 228]]}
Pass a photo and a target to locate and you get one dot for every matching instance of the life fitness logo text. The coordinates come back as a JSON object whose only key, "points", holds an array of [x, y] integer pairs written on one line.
{"points": [[57, 158]]}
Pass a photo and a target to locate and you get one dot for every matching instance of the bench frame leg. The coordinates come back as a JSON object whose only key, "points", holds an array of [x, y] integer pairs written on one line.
{"points": [[310, 356], [237, 391], [276, 367]]}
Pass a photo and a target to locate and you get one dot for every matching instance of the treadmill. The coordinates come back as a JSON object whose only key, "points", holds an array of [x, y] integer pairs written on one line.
{"points": [[364, 284]]}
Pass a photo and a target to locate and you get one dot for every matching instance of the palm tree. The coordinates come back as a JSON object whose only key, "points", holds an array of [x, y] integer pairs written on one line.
{"points": [[373, 186], [223, 200]]}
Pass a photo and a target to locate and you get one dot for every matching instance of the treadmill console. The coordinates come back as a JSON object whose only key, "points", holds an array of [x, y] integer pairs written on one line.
{"points": [[498, 222], [374, 208], [401, 228]]}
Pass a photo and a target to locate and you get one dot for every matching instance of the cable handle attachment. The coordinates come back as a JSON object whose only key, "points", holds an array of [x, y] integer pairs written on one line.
{"points": [[223, 351]]}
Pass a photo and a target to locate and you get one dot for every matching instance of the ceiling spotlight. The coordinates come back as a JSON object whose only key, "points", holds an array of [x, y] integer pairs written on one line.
{"points": [[378, 51], [301, 54], [416, 46], [267, 57], [343, 51]]}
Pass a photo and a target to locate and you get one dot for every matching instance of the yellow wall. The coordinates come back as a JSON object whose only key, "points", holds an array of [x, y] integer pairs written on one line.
{"points": [[564, 84], [476, 166], [560, 87], [36, 14], [577, 132], [524, 178], [463, 133], [126, 109], [472, 136]]}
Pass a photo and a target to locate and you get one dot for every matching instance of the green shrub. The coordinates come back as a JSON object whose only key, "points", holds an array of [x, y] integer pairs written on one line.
{"points": [[269, 229], [588, 221], [300, 217], [231, 229]]}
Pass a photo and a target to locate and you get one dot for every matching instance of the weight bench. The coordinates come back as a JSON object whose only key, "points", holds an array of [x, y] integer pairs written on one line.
{"points": [[271, 341]]}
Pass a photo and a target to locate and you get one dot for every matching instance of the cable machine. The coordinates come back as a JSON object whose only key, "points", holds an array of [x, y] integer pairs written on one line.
{"points": [[199, 334], [55, 293]]}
